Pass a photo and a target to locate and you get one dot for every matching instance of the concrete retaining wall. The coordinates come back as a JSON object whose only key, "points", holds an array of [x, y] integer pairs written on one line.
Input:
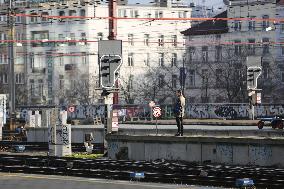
{"points": [[232, 151], [77, 133]]}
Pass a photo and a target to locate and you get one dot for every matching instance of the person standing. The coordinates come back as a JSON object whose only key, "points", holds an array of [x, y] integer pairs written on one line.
{"points": [[179, 112]]}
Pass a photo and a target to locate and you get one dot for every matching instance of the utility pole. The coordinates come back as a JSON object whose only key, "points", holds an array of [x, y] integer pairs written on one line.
{"points": [[112, 19], [112, 35], [11, 61]]}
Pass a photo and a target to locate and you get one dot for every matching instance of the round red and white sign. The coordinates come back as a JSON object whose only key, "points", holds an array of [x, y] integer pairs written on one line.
{"points": [[71, 109], [157, 112]]}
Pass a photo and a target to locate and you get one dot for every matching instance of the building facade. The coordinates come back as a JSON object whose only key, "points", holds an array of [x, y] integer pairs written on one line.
{"points": [[232, 44], [62, 61]]}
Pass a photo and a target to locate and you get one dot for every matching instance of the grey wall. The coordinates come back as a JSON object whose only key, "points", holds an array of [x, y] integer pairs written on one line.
{"points": [[233, 151], [77, 133]]}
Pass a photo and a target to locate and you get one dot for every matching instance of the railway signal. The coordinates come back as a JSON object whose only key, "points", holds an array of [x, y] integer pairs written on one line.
{"points": [[253, 74]]}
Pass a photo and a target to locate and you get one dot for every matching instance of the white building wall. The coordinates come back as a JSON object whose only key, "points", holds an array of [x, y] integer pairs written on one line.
{"points": [[94, 27]]}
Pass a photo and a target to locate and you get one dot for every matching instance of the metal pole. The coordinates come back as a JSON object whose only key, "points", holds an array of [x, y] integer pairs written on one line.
{"points": [[252, 111], [156, 125], [11, 52]]}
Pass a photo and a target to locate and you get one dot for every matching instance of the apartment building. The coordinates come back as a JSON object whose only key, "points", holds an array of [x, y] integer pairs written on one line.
{"points": [[62, 62], [228, 45]]}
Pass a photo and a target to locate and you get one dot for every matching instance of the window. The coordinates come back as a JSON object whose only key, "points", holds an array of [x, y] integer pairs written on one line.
{"points": [[100, 36], [130, 59], [61, 82], [282, 76], [72, 39], [83, 38], [204, 75], [136, 14], [174, 40], [39, 36], [3, 59], [158, 14], [122, 13], [161, 40], [146, 39], [61, 59], [161, 60], [32, 60], [191, 52], [61, 13], [174, 59], [44, 17], [205, 54], [218, 54], [251, 47], [82, 13], [72, 84], [265, 44], [20, 78], [161, 81], [18, 19], [174, 81], [130, 84], [147, 59], [34, 17], [265, 22], [265, 70], [238, 47], [218, 77], [32, 87], [5, 78], [61, 39], [182, 14], [251, 24], [147, 15], [237, 25], [84, 58], [191, 78], [19, 36], [218, 37], [130, 39], [282, 50], [40, 87], [72, 13]]}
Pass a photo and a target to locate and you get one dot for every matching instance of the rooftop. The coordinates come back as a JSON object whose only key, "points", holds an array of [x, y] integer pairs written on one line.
{"points": [[209, 27]]}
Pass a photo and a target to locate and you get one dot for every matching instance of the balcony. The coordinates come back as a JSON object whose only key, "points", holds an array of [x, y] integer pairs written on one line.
{"points": [[70, 67], [38, 70]]}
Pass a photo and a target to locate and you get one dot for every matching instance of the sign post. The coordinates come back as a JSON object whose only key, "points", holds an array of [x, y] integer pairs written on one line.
{"points": [[157, 113]]}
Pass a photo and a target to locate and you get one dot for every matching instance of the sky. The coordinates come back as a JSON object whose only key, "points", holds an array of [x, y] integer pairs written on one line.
{"points": [[198, 2]]}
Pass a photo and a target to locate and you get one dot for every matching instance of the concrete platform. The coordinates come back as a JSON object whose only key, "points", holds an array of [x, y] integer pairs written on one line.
{"points": [[228, 150], [79, 131]]}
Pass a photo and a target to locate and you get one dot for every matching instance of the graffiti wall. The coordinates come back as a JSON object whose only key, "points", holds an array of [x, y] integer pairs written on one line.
{"points": [[203, 111]]}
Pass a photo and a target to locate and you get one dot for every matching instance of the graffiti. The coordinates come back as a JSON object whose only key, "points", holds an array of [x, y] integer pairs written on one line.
{"points": [[65, 135], [260, 154], [192, 111], [226, 112], [225, 152]]}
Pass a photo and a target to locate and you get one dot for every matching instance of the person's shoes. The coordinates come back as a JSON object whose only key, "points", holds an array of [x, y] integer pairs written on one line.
{"points": [[181, 134], [177, 134]]}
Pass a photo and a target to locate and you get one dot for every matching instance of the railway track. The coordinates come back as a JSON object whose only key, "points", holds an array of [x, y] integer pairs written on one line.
{"points": [[156, 171], [43, 146]]}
